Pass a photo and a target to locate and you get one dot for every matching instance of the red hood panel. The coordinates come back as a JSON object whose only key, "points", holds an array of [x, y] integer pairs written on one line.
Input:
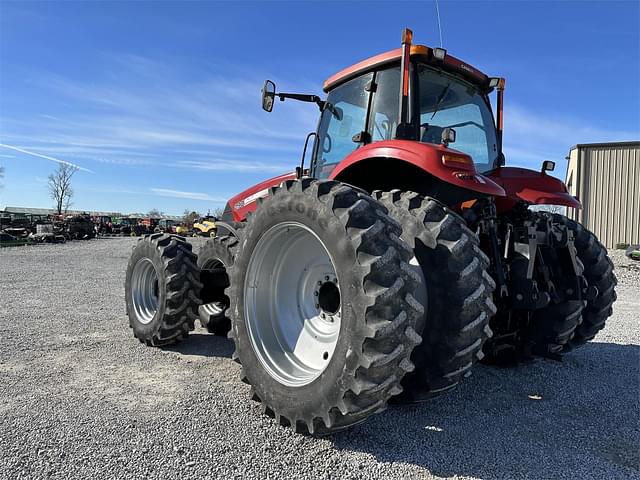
{"points": [[245, 202], [533, 187]]}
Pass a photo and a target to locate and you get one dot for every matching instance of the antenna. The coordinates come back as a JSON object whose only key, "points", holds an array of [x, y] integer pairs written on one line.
{"points": [[439, 24]]}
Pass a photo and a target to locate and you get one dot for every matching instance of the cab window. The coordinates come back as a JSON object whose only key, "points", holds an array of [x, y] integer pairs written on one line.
{"points": [[344, 117], [384, 106], [448, 102]]}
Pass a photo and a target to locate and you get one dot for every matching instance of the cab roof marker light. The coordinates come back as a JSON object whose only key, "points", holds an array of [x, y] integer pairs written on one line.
{"points": [[439, 53]]}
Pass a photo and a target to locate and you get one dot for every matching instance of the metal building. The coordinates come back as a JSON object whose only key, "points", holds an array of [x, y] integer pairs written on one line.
{"points": [[605, 177]]}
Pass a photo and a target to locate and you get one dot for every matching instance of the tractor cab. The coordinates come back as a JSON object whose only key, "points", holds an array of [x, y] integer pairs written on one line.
{"points": [[414, 118], [415, 104], [444, 107], [411, 93]]}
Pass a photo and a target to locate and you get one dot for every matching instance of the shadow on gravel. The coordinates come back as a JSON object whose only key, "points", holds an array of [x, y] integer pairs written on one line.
{"points": [[495, 425], [205, 345]]}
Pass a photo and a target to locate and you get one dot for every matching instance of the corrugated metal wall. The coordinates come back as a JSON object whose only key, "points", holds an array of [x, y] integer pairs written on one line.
{"points": [[608, 185]]}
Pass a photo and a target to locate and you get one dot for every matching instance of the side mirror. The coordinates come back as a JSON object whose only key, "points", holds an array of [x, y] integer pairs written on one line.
{"points": [[548, 166], [268, 95], [448, 136]]}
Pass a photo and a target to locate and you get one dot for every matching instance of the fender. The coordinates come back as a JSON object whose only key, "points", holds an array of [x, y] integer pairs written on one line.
{"points": [[428, 157], [536, 188], [246, 202]]}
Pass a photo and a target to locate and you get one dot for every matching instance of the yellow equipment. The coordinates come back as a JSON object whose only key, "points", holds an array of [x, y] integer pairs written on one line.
{"points": [[205, 226]]}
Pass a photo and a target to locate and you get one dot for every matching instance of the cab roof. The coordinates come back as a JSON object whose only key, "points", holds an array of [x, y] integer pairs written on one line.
{"points": [[418, 52]]}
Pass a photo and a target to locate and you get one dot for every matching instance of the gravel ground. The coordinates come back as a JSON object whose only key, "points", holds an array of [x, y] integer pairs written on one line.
{"points": [[627, 270], [81, 398]]}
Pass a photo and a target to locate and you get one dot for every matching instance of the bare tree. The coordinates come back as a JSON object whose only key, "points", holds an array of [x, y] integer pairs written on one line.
{"points": [[217, 212], [60, 188], [155, 213], [190, 217]]}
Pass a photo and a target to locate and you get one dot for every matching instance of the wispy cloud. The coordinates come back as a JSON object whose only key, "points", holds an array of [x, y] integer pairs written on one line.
{"points": [[46, 157], [165, 192], [218, 165], [129, 118]]}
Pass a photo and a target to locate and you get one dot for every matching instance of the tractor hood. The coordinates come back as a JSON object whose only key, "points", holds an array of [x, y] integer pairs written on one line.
{"points": [[533, 187]]}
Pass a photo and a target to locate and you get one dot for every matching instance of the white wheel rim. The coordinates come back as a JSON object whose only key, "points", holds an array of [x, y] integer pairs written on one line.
{"points": [[144, 294], [292, 304]]}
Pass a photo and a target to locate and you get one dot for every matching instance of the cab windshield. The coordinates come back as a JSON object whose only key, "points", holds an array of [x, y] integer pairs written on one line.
{"points": [[445, 101]]}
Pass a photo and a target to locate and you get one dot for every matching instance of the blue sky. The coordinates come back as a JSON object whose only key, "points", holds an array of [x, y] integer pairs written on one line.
{"points": [[159, 102]]}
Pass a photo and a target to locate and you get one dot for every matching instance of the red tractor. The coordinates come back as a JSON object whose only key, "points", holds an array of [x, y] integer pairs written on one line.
{"points": [[403, 255]]}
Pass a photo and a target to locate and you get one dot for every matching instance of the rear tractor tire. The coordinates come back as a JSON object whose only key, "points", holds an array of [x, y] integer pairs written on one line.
{"points": [[215, 259], [459, 293], [564, 324], [570, 324], [162, 289], [598, 272], [323, 306]]}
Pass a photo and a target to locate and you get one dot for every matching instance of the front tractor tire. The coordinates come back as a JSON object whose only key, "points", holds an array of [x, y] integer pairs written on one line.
{"points": [[459, 293], [162, 289], [215, 259], [567, 325], [323, 306], [568, 321], [598, 272]]}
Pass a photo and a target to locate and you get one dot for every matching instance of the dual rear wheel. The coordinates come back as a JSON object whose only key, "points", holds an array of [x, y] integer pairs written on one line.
{"points": [[338, 296], [564, 324]]}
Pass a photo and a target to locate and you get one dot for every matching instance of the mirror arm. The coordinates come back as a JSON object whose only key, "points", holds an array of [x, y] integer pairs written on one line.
{"points": [[302, 98]]}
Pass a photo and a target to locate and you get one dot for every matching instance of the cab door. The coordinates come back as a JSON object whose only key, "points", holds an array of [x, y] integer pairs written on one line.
{"points": [[343, 125]]}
